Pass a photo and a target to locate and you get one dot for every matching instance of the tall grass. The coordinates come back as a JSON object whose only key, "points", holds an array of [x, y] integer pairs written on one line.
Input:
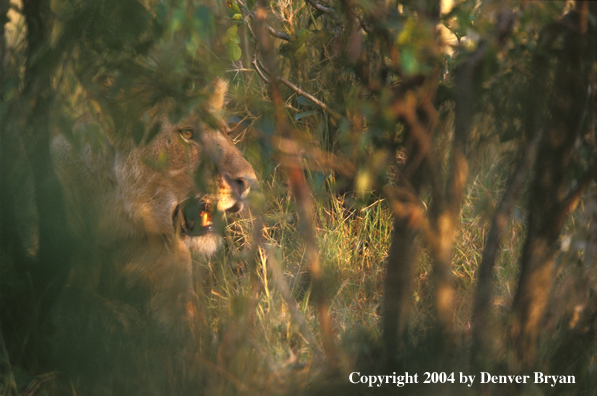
{"points": [[256, 340]]}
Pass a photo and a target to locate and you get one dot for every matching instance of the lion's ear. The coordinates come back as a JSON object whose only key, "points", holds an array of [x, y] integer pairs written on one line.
{"points": [[217, 98]]}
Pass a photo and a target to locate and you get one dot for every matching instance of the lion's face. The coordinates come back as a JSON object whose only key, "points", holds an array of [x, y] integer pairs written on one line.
{"points": [[183, 181], [170, 192], [139, 210]]}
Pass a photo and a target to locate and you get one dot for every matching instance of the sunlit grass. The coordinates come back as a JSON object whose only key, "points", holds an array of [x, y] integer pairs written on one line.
{"points": [[249, 318]]}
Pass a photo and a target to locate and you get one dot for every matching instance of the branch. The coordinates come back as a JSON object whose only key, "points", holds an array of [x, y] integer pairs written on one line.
{"points": [[4, 4], [499, 225], [356, 16], [318, 159], [325, 10], [271, 30], [255, 63], [282, 286], [406, 204], [37, 382], [408, 113], [277, 33], [9, 383], [299, 91], [410, 220], [306, 226], [570, 202], [260, 69]]}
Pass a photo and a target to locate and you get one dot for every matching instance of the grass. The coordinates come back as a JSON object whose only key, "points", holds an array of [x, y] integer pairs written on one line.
{"points": [[261, 335], [251, 321], [258, 340]]}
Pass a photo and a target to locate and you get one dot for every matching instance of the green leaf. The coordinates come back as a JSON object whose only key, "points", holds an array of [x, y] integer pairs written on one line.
{"points": [[302, 100], [177, 20], [235, 7], [234, 52], [231, 35], [304, 114], [410, 64], [232, 41]]}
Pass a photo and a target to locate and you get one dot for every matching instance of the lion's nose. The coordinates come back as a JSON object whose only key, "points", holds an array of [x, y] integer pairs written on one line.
{"points": [[244, 185], [242, 181], [241, 178]]}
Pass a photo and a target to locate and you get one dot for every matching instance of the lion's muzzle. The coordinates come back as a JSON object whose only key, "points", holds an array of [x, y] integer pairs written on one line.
{"points": [[195, 217]]}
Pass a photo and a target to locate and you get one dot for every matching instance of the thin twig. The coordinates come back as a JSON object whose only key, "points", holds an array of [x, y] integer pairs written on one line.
{"points": [[572, 199], [407, 111], [262, 66], [356, 16], [301, 192], [318, 159], [499, 225], [262, 71], [310, 97], [277, 33], [255, 62], [326, 10], [10, 385], [37, 382], [225, 374], [306, 212], [271, 30], [282, 286]]}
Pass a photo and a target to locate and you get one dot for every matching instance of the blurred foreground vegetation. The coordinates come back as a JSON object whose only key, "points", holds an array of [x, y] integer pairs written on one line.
{"points": [[428, 195]]}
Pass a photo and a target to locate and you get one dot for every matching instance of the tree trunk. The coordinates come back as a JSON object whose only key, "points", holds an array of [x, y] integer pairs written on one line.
{"points": [[550, 197]]}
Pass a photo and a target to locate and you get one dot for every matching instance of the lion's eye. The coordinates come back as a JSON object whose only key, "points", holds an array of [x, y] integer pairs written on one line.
{"points": [[186, 133]]}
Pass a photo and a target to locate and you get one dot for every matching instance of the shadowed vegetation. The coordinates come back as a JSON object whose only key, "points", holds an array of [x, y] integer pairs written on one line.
{"points": [[426, 199]]}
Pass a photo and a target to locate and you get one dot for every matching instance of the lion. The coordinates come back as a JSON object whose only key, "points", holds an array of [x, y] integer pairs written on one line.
{"points": [[141, 211]]}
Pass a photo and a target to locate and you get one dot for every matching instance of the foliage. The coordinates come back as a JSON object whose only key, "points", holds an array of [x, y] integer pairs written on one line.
{"points": [[427, 197]]}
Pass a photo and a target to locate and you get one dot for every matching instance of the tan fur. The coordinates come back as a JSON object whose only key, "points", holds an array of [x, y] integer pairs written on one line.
{"points": [[133, 261], [125, 193]]}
